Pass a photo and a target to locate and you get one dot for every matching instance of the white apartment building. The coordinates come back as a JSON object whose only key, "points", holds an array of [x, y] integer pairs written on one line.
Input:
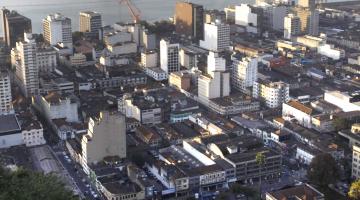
{"points": [[23, 58], [156, 73], [330, 51], [46, 59], [149, 59], [216, 83], [292, 26], [347, 102], [169, 56], [244, 71], [216, 36], [56, 107], [244, 16], [274, 94], [355, 173], [5, 94], [33, 133], [57, 29], [296, 110], [143, 113]]}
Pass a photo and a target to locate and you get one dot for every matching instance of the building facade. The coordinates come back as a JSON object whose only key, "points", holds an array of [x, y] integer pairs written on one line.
{"points": [[5, 94], [273, 94], [291, 26], [189, 19], [216, 36], [14, 27], [106, 137], [169, 56], [90, 23], [244, 72], [57, 29], [23, 58]]}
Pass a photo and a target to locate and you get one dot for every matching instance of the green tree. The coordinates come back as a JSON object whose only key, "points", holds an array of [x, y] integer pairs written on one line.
{"points": [[260, 160], [28, 185], [323, 170], [354, 192]]}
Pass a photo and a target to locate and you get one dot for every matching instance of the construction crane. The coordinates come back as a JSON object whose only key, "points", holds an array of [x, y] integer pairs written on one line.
{"points": [[134, 11]]}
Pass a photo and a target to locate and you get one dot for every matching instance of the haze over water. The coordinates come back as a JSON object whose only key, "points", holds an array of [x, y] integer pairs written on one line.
{"points": [[112, 12]]}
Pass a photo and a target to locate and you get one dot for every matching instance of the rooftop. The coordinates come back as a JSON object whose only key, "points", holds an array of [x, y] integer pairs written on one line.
{"points": [[301, 192], [299, 106], [9, 125]]}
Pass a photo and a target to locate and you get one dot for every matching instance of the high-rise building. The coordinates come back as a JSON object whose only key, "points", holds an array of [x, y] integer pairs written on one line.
{"points": [[307, 4], [90, 23], [169, 56], [14, 26], [309, 20], [216, 36], [291, 26], [273, 94], [249, 17], [216, 82], [189, 19], [57, 29], [5, 93], [106, 137], [23, 58], [244, 72]]}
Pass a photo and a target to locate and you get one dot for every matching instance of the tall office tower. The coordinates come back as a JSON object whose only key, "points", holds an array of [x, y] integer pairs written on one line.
{"points": [[244, 72], [307, 4], [57, 29], [216, 82], [273, 94], [14, 26], [90, 23], [23, 58], [5, 93], [189, 19], [313, 28], [273, 16], [291, 26], [169, 56], [216, 36], [106, 137], [309, 20]]}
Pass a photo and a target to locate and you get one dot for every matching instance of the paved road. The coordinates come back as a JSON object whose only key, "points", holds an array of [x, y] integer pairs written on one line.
{"points": [[77, 175]]}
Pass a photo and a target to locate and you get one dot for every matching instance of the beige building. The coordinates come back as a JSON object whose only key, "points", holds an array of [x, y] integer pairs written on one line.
{"points": [[181, 80], [356, 162], [106, 137], [90, 23]]}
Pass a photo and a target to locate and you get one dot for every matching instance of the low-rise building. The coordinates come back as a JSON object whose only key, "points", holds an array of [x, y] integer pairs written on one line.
{"points": [[296, 110], [300, 192], [32, 130], [10, 131], [156, 73], [148, 135], [180, 79], [56, 106], [356, 162]]}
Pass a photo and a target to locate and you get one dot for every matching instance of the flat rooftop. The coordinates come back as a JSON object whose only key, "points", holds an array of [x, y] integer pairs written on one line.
{"points": [[9, 125]]}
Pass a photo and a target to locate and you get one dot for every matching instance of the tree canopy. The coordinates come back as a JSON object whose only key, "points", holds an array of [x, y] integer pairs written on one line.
{"points": [[354, 192], [323, 170], [27, 185]]}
